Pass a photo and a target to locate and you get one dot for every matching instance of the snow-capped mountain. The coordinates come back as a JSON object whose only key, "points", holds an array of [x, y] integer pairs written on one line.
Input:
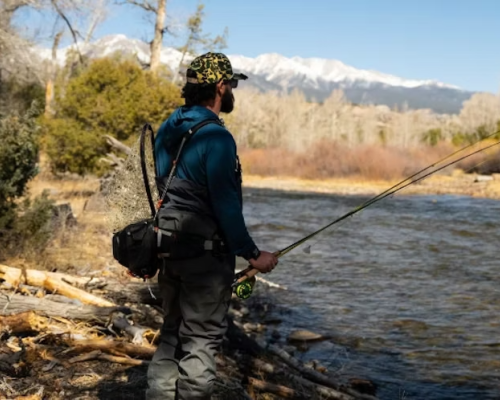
{"points": [[316, 77]]}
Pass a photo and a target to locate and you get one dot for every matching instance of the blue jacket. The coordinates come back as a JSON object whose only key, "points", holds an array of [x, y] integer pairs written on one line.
{"points": [[209, 160]]}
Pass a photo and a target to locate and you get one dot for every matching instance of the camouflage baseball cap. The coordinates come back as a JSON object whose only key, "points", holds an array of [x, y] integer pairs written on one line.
{"points": [[211, 68]]}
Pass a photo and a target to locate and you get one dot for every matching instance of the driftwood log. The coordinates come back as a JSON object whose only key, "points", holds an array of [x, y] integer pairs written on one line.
{"points": [[16, 303], [135, 332], [99, 355], [48, 281], [133, 291], [111, 347], [279, 390], [260, 366]]}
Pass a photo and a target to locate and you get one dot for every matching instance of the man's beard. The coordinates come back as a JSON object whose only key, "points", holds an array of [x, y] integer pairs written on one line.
{"points": [[227, 102]]}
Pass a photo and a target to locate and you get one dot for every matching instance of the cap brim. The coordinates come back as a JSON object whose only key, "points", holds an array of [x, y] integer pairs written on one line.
{"points": [[239, 77]]}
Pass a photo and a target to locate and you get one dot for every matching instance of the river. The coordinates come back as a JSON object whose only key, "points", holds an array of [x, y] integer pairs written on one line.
{"points": [[408, 290]]}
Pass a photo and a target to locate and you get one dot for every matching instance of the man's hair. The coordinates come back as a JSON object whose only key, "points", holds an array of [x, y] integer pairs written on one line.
{"points": [[198, 94]]}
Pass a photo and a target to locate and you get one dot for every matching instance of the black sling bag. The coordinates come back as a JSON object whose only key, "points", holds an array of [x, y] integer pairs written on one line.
{"points": [[138, 246]]}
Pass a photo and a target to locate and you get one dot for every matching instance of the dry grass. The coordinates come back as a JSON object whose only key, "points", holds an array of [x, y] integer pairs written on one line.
{"points": [[84, 248], [327, 160]]}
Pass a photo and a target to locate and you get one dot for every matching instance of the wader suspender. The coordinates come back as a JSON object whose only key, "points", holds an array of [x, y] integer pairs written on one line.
{"points": [[187, 136], [208, 244]]}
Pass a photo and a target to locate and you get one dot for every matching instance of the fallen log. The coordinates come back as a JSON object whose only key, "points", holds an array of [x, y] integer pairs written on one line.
{"points": [[137, 333], [16, 276], [132, 291], [278, 390], [98, 355], [109, 346], [16, 303], [325, 392], [115, 143], [80, 281]]}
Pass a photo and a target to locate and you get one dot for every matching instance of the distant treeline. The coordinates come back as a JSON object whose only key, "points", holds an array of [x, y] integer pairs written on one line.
{"points": [[114, 96]]}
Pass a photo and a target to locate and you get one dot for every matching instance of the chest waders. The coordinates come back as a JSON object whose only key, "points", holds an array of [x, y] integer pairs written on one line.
{"points": [[169, 233]]}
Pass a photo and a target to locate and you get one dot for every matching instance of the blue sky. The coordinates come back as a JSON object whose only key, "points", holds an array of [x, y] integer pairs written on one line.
{"points": [[453, 41]]}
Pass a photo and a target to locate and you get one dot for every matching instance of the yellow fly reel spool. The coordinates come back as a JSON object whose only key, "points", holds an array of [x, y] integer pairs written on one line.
{"points": [[244, 289]]}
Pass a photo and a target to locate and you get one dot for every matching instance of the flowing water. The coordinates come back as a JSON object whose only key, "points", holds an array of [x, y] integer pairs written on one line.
{"points": [[408, 290]]}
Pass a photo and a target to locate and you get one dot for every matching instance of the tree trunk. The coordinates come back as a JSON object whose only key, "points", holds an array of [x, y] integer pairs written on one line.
{"points": [[16, 303], [156, 44], [49, 87]]}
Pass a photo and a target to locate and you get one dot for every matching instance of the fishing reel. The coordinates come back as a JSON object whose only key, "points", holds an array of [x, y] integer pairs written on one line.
{"points": [[243, 288]]}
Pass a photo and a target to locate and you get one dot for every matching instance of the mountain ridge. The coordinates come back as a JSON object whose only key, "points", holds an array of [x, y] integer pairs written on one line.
{"points": [[316, 77]]}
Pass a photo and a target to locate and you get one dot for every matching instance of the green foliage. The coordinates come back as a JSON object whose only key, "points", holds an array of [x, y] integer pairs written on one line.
{"points": [[480, 133], [31, 230], [73, 148], [433, 136], [18, 97], [23, 224], [19, 147], [197, 39], [111, 96]]}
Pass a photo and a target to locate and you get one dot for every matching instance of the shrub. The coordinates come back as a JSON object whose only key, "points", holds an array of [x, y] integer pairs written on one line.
{"points": [[18, 162], [23, 224], [32, 228], [73, 148], [111, 96]]}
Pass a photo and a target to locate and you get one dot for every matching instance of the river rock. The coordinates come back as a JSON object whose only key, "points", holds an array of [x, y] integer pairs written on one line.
{"points": [[235, 313], [304, 336], [314, 364], [249, 327], [363, 386], [244, 310]]}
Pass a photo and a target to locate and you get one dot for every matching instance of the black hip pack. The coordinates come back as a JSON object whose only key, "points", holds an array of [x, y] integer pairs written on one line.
{"points": [[141, 245]]}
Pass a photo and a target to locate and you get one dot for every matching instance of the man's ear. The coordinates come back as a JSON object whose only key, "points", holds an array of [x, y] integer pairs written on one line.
{"points": [[220, 88]]}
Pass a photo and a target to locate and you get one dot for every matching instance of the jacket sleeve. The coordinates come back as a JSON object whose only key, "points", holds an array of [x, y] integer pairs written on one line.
{"points": [[224, 191]]}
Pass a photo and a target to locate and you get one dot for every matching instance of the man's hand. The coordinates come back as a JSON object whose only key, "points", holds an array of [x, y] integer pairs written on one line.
{"points": [[265, 262]]}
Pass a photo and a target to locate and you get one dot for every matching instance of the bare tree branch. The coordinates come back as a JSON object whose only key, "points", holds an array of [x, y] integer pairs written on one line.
{"points": [[98, 15], [144, 4], [68, 23]]}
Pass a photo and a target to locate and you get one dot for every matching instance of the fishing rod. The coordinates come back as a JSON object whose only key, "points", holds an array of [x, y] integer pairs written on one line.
{"points": [[245, 279]]}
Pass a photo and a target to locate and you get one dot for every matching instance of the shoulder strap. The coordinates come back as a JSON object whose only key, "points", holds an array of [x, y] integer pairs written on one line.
{"points": [[145, 130], [187, 136]]}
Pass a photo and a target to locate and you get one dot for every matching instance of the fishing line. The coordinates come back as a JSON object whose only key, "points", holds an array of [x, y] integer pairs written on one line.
{"points": [[394, 189], [488, 158], [244, 289]]}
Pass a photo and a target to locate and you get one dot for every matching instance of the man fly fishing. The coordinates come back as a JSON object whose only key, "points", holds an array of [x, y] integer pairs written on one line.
{"points": [[204, 199]]}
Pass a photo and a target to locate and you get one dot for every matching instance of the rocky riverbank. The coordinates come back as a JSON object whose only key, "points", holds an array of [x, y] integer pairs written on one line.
{"points": [[65, 336]]}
